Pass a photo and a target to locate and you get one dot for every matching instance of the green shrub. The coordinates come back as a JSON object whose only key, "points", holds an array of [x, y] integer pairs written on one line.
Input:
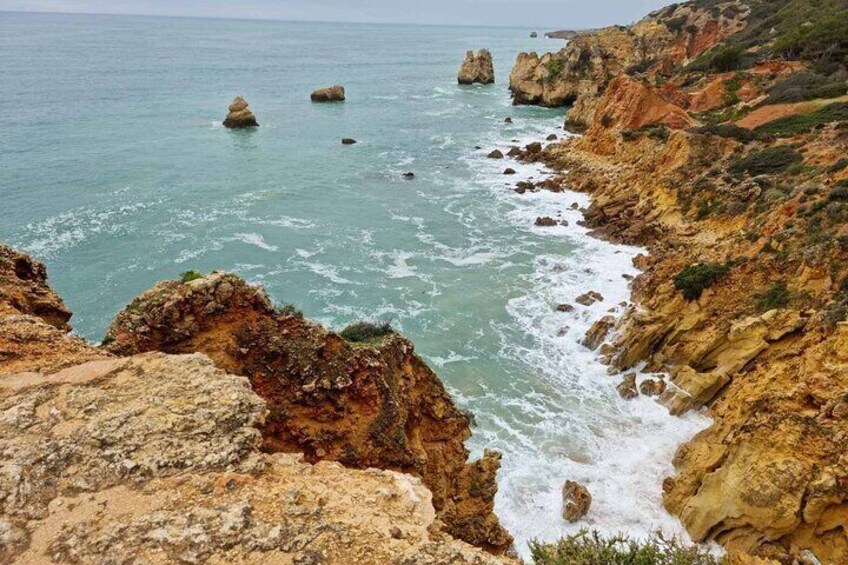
{"points": [[676, 24], [777, 296], [805, 85], [726, 58], [802, 123], [826, 39], [290, 310], [838, 166], [771, 160], [591, 548], [839, 194], [189, 276], [555, 67], [731, 131], [694, 279], [365, 331]]}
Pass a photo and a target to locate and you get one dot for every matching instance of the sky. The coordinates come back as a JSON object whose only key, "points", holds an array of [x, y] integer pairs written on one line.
{"points": [[546, 15]]}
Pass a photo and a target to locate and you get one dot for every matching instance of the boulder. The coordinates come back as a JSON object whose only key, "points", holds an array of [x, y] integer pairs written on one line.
{"points": [[552, 137], [348, 141], [576, 501], [545, 222], [477, 68], [598, 332], [239, 115], [627, 387], [589, 298], [329, 94], [509, 171], [652, 387], [408, 175], [508, 120], [534, 35], [514, 151], [565, 308], [496, 154]]}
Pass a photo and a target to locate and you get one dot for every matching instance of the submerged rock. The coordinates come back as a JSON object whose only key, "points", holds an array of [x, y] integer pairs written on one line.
{"points": [[329, 94], [576, 501], [589, 298], [348, 141], [477, 68], [240, 115], [408, 175], [496, 154]]}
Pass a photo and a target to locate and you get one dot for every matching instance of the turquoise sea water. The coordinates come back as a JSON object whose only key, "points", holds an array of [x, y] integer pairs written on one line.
{"points": [[116, 172]]}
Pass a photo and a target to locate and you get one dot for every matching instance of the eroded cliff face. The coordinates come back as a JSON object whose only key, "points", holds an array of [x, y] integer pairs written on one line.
{"points": [[371, 404], [159, 458], [579, 73], [763, 342]]}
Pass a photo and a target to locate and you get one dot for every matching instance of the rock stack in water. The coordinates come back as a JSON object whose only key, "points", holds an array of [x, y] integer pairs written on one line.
{"points": [[240, 115], [329, 94], [477, 68]]}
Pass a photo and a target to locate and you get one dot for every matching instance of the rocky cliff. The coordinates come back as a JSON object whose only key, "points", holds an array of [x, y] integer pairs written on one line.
{"points": [[477, 68], [365, 404], [159, 458], [737, 183]]}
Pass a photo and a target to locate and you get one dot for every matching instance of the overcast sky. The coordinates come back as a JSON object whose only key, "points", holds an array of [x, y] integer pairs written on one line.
{"points": [[542, 14]]}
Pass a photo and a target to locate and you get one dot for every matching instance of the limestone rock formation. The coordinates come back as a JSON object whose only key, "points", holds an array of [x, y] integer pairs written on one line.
{"points": [[576, 501], [477, 68], [374, 404], [240, 115], [156, 458], [329, 94], [24, 290]]}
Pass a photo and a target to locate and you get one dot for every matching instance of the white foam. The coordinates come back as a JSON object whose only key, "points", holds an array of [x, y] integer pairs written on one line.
{"points": [[255, 239]]}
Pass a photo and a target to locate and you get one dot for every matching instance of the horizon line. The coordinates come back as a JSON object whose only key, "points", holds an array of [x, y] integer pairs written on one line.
{"points": [[272, 19]]}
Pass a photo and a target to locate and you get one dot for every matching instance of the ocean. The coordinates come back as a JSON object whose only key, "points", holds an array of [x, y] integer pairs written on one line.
{"points": [[116, 172]]}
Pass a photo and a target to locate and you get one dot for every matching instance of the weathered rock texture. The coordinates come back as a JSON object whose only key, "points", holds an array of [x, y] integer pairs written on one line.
{"points": [[477, 68], [239, 115], [374, 404], [156, 458], [329, 94], [579, 73]]}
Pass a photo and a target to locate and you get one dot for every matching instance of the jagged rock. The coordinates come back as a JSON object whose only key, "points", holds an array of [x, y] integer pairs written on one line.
{"points": [[24, 290], [551, 137], [508, 120], [240, 115], [365, 405], [576, 501], [598, 332], [408, 175], [514, 151], [348, 141], [627, 388], [652, 387], [565, 308], [477, 68], [496, 154], [532, 148], [589, 298], [329, 94], [545, 221]]}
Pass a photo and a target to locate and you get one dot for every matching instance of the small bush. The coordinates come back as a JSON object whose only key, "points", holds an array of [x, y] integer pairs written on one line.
{"points": [[726, 58], [189, 276], [591, 548], [555, 67], [805, 85], [771, 160], [802, 123], [777, 296], [839, 194], [365, 331], [731, 131], [676, 24], [694, 279], [838, 166], [826, 39], [290, 310]]}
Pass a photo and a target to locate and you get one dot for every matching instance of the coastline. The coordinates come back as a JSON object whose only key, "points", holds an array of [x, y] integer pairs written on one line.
{"points": [[626, 480]]}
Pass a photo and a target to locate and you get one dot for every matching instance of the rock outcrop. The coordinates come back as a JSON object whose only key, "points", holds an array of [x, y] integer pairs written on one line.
{"points": [[240, 115], [477, 68], [373, 404], [158, 458], [329, 94], [576, 501]]}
